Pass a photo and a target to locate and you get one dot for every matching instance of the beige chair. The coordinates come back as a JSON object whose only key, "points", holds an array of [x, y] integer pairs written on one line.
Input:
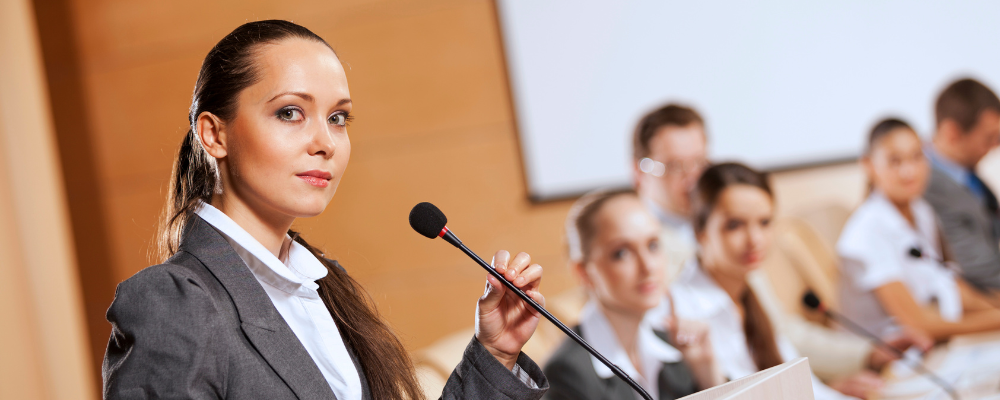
{"points": [[804, 259]]}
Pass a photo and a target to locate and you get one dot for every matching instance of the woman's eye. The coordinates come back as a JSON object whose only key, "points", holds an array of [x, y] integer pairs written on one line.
{"points": [[619, 254], [733, 224], [290, 114], [339, 119], [654, 245]]}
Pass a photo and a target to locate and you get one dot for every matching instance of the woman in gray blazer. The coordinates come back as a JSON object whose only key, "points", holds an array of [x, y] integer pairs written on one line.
{"points": [[615, 249], [244, 308]]}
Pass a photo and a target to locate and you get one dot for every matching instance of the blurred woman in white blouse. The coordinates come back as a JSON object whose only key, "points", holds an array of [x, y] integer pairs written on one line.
{"points": [[893, 265], [616, 249], [733, 208]]}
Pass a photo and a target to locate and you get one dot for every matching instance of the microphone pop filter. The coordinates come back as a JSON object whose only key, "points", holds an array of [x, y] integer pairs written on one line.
{"points": [[811, 300], [427, 220]]}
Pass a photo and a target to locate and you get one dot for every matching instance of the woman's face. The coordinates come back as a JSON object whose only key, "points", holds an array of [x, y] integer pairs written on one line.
{"points": [[737, 234], [287, 147], [626, 266], [897, 166]]}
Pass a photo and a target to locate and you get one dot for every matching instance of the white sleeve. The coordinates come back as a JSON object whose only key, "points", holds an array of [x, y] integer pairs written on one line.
{"points": [[869, 259]]}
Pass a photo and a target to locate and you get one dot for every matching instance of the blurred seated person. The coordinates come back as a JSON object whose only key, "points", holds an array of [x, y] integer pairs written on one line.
{"points": [[733, 208], [968, 127], [669, 152], [892, 254], [615, 249]]}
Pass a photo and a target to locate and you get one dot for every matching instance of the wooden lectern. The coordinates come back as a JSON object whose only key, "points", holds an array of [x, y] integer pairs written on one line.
{"points": [[789, 381]]}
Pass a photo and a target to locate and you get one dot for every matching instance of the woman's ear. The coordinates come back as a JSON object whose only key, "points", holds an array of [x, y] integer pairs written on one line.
{"points": [[579, 269], [212, 134], [868, 168]]}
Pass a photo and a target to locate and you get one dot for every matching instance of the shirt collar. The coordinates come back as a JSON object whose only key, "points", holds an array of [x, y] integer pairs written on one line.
{"points": [[301, 268], [598, 332], [678, 224], [950, 168]]}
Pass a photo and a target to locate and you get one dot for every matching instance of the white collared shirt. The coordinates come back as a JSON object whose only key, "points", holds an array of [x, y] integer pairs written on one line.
{"points": [[698, 297], [291, 285], [597, 330], [875, 249]]}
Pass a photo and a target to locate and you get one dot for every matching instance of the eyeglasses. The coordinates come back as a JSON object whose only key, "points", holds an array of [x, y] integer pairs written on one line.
{"points": [[672, 168]]}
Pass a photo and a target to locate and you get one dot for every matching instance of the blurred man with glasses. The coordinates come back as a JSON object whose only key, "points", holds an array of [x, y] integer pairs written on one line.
{"points": [[670, 150]]}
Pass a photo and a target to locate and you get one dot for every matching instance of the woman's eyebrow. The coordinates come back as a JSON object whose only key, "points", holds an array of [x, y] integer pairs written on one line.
{"points": [[305, 96]]}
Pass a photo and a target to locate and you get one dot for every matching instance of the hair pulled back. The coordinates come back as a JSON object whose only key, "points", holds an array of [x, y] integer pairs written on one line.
{"points": [[228, 69], [882, 129], [756, 325], [580, 223]]}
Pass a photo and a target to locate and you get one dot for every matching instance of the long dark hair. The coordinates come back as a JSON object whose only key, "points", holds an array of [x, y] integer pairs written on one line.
{"points": [[756, 325], [228, 69]]}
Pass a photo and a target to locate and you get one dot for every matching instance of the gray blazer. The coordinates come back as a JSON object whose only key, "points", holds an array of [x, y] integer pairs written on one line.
{"points": [[970, 228], [572, 376], [200, 326]]}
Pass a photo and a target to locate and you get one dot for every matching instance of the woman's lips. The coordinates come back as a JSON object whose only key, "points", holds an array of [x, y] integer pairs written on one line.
{"points": [[316, 178]]}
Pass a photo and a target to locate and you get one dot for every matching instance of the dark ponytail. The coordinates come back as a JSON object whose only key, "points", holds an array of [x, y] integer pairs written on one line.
{"points": [[756, 325], [228, 69]]}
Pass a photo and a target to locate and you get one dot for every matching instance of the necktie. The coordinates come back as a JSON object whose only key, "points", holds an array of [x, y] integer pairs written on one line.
{"points": [[979, 188]]}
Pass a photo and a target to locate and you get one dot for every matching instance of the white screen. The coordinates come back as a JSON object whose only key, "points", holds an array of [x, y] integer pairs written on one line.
{"points": [[780, 83]]}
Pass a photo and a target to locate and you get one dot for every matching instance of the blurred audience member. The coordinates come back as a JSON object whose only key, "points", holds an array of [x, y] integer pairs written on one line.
{"points": [[615, 250], [670, 149], [968, 127], [891, 254], [670, 152], [732, 212]]}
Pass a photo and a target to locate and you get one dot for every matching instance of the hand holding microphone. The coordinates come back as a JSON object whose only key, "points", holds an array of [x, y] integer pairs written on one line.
{"points": [[504, 322]]}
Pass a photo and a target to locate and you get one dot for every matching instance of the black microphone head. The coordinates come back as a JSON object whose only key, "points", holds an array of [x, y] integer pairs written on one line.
{"points": [[811, 301], [916, 253], [427, 220]]}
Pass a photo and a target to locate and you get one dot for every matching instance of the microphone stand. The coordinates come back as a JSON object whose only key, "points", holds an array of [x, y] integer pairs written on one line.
{"points": [[859, 330], [451, 238]]}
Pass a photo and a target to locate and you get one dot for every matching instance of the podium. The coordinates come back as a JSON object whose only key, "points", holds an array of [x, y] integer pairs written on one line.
{"points": [[789, 381]]}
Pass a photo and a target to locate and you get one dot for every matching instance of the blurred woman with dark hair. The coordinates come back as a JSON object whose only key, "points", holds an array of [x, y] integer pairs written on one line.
{"points": [[242, 307], [892, 254], [615, 249], [733, 208]]}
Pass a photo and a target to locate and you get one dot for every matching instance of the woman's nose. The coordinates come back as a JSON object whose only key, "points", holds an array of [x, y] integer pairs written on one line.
{"points": [[322, 143]]}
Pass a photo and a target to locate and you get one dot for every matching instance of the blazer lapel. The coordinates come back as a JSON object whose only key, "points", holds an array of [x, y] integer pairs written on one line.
{"points": [[261, 322]]}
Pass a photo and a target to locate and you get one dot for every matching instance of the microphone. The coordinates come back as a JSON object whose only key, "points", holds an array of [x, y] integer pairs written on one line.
{"points": [[812, 301], [915, 252], [428, 220]]}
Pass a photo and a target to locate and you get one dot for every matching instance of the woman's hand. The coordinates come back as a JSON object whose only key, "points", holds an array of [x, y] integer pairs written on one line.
{"points": [[907, 338], [861, 385], [692, 339], [504, 322]]}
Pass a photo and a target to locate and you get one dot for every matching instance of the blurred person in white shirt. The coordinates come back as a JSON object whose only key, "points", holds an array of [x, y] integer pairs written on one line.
{"points": [[892, 255]]}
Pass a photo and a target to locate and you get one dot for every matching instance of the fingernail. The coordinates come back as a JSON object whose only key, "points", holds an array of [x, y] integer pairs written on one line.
{"points": [[519, 281]]}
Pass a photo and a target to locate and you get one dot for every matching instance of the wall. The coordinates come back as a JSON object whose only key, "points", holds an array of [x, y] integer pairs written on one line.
{"points": [[43, 350]]}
